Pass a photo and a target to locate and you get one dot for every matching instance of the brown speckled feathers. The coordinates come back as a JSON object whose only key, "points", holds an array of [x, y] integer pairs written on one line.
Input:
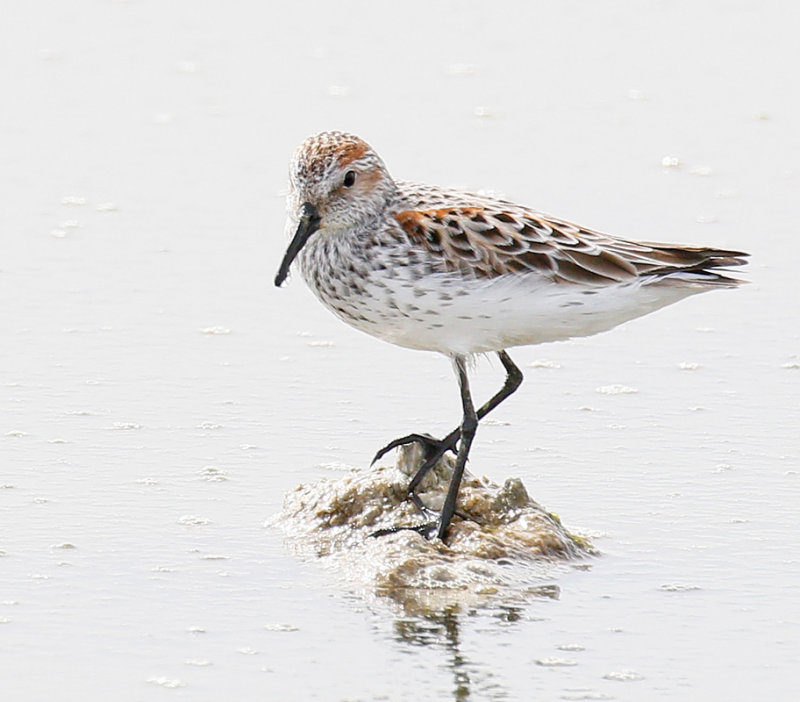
{"points": [[488, 242]]}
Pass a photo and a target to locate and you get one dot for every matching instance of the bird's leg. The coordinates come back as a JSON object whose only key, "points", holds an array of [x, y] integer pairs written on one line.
{"points": [[469, 424], [512, 382], [434, 449]]}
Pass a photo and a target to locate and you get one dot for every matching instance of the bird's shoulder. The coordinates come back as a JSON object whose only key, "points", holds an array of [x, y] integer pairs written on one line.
{"points": [[490, 237]]}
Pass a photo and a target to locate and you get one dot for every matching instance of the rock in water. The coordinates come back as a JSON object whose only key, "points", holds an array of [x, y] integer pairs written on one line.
{"points": [[508, 546]]}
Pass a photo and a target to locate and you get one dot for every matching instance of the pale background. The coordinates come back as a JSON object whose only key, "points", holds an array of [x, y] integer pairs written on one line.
{"points": [[158, 396]]}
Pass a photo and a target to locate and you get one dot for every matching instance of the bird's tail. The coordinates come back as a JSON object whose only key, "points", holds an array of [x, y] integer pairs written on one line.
{"points": [[699, 265]]}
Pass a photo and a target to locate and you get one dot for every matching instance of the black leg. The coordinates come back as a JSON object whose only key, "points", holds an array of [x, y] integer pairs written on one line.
{"points": [[434, 449], [434, 452], [441, 446], [513, 381], [469, 424]]}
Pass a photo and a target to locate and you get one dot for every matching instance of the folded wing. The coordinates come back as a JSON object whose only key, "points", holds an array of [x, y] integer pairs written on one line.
{"points": [[485, 242]]}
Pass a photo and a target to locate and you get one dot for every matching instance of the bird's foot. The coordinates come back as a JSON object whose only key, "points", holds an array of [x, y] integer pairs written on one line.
{"points": [[428, 530], [432, 449], [432, 452]]}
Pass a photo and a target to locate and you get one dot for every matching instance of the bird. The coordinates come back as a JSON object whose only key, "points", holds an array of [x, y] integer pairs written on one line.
{"points": [[458, 273]]}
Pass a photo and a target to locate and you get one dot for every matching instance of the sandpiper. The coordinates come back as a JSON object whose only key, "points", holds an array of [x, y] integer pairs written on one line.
{"points": [[449, 271]]}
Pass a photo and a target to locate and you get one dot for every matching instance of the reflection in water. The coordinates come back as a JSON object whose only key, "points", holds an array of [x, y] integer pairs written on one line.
{"points": [[441, 630], [493, 564]]}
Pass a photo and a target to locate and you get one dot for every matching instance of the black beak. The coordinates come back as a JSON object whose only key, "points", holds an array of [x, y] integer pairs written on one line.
{"points": [[309, 223]]}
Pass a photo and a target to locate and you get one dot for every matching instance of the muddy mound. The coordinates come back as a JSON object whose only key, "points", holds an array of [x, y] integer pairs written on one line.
{"points": [[502, 544]]}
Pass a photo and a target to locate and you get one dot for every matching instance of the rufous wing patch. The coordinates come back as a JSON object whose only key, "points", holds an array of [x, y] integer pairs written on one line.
{"points": [[478, 242]]}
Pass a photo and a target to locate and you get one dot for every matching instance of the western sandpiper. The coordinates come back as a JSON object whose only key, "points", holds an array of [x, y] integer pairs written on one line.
{"points": [[445, 270]]}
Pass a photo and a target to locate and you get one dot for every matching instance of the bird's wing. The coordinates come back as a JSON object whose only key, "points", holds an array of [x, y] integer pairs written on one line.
{"points": [[488, 242]]}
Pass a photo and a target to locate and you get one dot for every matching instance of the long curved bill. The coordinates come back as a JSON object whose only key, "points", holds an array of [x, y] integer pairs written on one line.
{"points": [[309, 223]]}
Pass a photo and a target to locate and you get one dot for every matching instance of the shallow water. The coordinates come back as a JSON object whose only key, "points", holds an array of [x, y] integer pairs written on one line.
{"points": [[160, 397]]}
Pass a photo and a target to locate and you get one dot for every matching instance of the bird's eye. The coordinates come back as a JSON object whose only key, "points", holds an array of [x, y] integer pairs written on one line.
{"points": [[349, 179]]}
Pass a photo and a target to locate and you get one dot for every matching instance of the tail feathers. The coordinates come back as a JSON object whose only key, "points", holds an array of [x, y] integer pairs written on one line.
{"points": [[703, 278], [699, 265]]}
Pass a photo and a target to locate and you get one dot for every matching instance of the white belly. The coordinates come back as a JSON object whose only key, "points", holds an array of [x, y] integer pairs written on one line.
{"points": [[451, 315]]}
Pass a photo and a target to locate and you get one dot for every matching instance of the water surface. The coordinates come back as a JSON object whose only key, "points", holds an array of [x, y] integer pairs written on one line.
{"points": [[160, 397]]}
